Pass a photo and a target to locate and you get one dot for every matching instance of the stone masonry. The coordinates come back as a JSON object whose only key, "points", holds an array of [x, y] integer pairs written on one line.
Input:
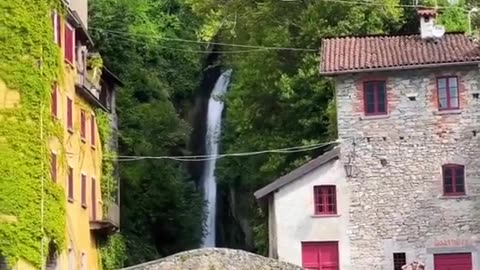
{"points": [[397, 202], [215, 259]]}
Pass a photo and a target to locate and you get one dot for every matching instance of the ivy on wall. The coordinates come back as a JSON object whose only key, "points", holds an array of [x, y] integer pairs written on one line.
{"points": [[30, 63], [108, 182], [113, 252]]}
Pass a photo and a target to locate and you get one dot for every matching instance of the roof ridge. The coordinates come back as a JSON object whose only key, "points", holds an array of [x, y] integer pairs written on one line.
{"points": [[386, 35]]}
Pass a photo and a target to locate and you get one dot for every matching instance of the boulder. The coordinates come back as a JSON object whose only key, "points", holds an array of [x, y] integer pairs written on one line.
{"points": [[215, 259]]}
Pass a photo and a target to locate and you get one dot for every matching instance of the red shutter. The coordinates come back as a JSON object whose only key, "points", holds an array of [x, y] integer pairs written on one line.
{"points": [[53, 167], [84, 191], [94, 200], [69, 43], [92, 131], [82, 125], [69, 114], [54, 101], [70, 184], [59, 31]]}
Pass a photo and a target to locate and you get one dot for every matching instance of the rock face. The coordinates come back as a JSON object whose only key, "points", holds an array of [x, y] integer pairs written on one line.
{"points": [[215, 259]]}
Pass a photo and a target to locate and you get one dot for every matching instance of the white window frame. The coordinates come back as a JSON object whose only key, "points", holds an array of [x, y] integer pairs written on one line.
{"points": [[55, 27]]}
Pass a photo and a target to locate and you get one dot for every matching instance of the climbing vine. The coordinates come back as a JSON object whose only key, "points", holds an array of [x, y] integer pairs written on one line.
{"points": [[30, 64], [109, 182], [113, 252]]}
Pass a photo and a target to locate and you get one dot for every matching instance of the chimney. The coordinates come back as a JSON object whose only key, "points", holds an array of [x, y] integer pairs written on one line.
{"points": [[427, 22]]}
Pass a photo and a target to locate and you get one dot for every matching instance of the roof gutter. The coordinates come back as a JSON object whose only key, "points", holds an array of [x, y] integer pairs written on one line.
{"points": [[350, 71]]}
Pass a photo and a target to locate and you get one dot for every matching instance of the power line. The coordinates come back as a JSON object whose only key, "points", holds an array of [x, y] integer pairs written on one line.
{"points": [[185, 50], [118, 33], [197, 158]]}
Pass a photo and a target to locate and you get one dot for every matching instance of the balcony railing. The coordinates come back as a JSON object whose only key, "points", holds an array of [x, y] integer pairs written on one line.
{"points": [[110, 222]]}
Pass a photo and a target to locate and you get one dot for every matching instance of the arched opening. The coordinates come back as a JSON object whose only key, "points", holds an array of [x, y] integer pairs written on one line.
{"points": [[52, 259], [3, 262]]}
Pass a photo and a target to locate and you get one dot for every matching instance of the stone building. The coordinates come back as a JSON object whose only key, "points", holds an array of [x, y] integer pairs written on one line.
{"points": [[408, 109]]}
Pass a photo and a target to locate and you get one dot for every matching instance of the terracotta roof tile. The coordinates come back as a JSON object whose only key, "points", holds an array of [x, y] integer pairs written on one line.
{"points": [[360, 54]]}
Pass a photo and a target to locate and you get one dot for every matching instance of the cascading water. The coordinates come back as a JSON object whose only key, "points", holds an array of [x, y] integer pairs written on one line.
{"points": [[214, 121]]}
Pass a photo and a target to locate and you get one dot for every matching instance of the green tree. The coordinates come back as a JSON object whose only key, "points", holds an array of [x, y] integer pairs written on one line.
{"points": [[161, 209], [277, 97]]}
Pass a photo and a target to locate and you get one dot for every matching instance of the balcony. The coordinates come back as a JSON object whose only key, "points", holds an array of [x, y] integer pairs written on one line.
{"points": [[110, 221]]}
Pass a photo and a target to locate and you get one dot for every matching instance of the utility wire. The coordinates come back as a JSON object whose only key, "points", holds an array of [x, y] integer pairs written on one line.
{"points": [[294, 149], [185, 50], [372, 3], [206, 42]]}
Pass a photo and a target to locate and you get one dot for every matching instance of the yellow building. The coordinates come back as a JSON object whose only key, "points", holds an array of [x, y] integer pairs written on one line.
{"points": [[82, 105], [75, 103]]}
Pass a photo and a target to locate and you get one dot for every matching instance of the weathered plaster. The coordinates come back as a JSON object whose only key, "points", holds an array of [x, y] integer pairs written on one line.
{"points": [[294, 215]]}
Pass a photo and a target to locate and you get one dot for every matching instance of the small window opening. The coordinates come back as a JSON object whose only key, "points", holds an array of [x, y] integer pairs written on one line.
{"points": [[399, 260]]}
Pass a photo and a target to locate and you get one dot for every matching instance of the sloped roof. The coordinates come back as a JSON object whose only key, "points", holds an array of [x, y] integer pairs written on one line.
{"points": [[297, 173], [369, 53]]}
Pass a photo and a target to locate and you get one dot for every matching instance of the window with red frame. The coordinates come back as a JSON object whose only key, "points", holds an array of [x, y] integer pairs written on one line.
{"points": [[83, 126], [375, 97], [447, 91], [53, 166], [54, 101], [92, 131], [69, 114], [453, 179], [84, 190], [70, 184], [325, 199], [69, 43]]}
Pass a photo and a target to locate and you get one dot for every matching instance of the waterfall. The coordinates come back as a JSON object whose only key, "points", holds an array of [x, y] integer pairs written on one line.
{"points": [[214, 121]]}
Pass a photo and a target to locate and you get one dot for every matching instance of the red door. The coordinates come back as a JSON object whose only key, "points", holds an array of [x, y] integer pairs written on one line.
{"points": [[456, 261], [320, 255]]}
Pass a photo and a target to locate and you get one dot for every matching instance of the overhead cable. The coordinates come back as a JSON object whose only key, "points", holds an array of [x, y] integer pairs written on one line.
{"points": [[195, 158]]}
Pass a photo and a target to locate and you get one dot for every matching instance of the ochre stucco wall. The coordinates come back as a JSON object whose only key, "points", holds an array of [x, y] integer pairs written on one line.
{"points": [[83, 158]]}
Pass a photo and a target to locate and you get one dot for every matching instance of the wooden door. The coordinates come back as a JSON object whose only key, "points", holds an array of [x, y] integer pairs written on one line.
{"points": [[453, 261], [320, 255]]}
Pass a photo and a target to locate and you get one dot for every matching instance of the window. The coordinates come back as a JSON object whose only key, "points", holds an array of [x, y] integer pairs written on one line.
{"points": [[69, 114], [69, 43], [447, 91], [399, 260], [3, 263], [325, 200], [92, 131], [83, 126], [453, 179], [375, 97], [70, 184], [94, 200], [71, 259], [56, 28], [53, 166], [54, 101], [84, 190], [83, 262], [51, 263]]}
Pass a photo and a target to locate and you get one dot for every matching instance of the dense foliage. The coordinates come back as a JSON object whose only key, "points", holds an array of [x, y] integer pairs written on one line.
{"points": [[161, 209], [30, 64], [277, 99]]}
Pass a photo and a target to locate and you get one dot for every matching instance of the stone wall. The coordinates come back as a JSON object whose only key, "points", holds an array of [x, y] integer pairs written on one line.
{"points": [[215, 259], [397, 204]]}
